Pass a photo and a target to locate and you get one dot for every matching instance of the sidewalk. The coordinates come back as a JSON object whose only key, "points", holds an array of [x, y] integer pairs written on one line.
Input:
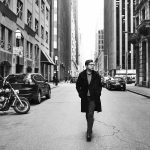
{"points": [[52, 85], [138, 90]]}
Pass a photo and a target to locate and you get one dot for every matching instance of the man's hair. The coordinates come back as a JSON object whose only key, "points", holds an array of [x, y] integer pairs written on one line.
{"points": [[88, 61]]}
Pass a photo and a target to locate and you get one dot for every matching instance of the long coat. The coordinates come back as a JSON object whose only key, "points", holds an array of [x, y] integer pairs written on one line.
{"points": [[94, 87]]}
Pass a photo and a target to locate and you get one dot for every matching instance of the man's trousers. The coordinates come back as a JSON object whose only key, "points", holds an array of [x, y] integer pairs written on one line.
{"points": [[90, 114]]}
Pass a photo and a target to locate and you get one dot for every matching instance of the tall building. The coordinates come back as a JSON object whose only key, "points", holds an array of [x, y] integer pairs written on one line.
{"points": [[119, 54], [141, 40], [54, 36], [32, 48], [64, 38], [74, 39], [99, 53]]}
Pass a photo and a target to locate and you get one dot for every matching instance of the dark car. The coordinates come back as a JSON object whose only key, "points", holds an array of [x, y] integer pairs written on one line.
{"points": [[130, 80], [116, 83], [31, 85], [104, 80]]}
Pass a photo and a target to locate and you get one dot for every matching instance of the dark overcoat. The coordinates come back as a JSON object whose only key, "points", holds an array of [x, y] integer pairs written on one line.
{"points": [[94, 87]]}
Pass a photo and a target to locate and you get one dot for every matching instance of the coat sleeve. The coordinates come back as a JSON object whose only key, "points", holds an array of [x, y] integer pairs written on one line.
{"points": [[79, 84], [99, 84]]}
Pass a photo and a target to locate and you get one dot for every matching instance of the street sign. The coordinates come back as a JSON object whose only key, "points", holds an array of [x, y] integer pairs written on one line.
{"points": [[18, 51]]}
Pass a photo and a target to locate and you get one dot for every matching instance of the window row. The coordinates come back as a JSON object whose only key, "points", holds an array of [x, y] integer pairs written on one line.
{"points": [[101, 47], [100, 41], [144, 14], [30, 52], [42, 31], [7, 44], [6, 37], [29, 14]]}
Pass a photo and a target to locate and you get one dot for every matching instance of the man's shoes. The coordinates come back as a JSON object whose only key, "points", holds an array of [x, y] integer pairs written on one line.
{"points": [[88, 137]]}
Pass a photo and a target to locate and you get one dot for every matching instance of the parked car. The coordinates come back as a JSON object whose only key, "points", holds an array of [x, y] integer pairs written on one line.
{"points": [[31, 85], [116, 83], [130, 80], [104, 80]]}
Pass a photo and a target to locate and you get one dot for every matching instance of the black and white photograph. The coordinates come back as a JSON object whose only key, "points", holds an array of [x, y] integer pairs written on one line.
{"points": [[74, 75]]}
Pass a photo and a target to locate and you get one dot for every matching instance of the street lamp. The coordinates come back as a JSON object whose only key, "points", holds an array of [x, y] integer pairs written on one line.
{"points": [[56, 59], [18, 50], [18, 37], [18, 34]]}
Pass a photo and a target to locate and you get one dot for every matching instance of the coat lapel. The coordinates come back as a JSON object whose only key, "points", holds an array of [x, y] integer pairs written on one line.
{"points": [[85, 77], [93, 77]]}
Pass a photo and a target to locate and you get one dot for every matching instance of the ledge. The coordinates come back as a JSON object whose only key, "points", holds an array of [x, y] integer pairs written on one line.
{"points": [[7, 12], [29, 30], [139, 5]]}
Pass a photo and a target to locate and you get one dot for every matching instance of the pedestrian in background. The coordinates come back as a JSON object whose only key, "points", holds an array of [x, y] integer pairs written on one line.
{"points": [[54, 79], [66, 79], [89, 89]]}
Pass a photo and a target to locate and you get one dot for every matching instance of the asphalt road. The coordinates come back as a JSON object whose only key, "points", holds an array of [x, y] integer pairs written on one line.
{"points": [[58, 124]]}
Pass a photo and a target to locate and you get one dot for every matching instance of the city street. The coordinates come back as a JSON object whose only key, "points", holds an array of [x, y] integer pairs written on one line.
{"points": [[58, 124]]}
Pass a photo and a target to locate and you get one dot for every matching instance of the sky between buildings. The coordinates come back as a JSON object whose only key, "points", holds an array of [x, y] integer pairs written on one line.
{"points": [[90, 17]]}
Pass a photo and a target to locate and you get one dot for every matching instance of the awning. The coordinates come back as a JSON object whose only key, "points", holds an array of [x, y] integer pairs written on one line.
{"points": [[45, 58]]}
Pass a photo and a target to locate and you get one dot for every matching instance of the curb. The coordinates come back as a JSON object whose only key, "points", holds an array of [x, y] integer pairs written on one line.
{"points": [[52, 87], [138, 93]]}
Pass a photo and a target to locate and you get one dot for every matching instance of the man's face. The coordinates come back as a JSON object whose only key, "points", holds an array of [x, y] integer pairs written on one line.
{"points": [[90, 66]]}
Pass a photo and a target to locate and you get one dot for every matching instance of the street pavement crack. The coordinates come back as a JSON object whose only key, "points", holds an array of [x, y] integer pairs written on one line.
{"points": [[120, 137], [115, 130]]}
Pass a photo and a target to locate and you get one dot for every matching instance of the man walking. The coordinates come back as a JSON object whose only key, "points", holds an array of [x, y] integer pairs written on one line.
{"points": [[89, 89]]}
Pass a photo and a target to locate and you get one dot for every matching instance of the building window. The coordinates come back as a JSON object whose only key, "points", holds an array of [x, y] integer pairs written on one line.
{"points": [[42, 32], [143, 14], [99, 47], [137, 21], [46, 37], [42, 6], [36, 53], [31, 51], [6, 2], [47, 13], [9, 40], [36, 27], [37, 2], [2, 42], [27, 50], [19, 9], [29, 18]]}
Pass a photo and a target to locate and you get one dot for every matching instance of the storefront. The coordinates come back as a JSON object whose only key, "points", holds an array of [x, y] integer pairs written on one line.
{"points": [[5, 63], [143, 65], [19, 64], [46, 63]]}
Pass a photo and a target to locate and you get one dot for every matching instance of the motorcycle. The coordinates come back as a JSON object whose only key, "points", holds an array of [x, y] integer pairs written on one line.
{"points": [[9, 98]]}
